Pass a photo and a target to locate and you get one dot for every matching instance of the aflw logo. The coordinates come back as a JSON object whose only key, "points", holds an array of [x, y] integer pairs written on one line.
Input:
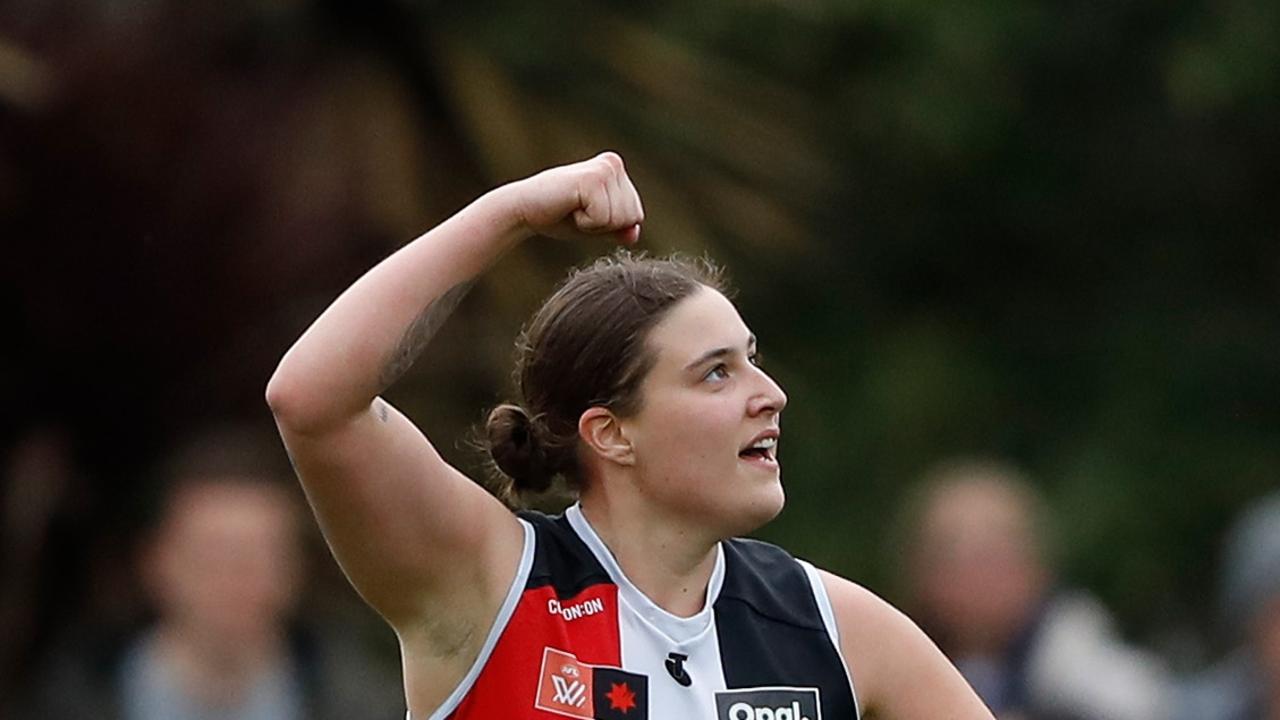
{"points": [[567, 686], [569, 692]]}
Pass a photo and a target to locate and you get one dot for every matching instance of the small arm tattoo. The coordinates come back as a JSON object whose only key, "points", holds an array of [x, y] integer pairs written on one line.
{"points": [[420, 331], [380, 408]]}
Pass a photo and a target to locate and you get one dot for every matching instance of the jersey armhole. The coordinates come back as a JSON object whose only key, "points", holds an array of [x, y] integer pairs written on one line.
{"points": [[829, 620], [495, 632]]}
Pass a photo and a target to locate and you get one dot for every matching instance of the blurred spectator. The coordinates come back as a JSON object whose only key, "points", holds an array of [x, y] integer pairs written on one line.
{"points": [[221, 565], [979, 580], [1245, 685]]}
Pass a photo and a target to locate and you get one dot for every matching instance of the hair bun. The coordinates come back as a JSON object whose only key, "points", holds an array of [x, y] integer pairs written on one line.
{"points": [[512, 441]]}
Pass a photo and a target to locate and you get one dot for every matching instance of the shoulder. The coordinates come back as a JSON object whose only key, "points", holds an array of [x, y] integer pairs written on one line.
{"points": [[766, 575], [873, 633], [891, 659], [861, 606]]}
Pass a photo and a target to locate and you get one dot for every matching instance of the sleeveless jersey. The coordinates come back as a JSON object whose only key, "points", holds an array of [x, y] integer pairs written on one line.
{"points": [[576, 639]]}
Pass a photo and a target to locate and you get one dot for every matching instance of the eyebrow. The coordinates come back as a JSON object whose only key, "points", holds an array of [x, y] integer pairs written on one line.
{"points": [[719, 353]]}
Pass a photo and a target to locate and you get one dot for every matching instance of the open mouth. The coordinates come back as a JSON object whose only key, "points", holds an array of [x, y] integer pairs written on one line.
{"points": [[762, 450]]}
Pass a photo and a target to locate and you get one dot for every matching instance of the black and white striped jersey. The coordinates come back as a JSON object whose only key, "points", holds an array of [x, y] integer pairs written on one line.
{"points": [[575, 638]]}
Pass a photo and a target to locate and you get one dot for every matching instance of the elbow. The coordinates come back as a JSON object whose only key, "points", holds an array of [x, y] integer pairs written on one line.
{"points": [[290, 402], [282, 396], [303, 406]]}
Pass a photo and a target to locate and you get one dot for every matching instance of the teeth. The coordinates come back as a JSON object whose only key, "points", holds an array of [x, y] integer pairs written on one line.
{"points": [[765, 444]]}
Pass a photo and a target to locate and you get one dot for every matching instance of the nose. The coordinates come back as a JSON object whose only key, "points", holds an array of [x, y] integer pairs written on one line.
{"points": [[769, 396]]}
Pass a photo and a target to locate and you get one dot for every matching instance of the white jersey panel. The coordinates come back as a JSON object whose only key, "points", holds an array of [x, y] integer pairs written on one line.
{"points": [[647, 651], [650, 635]]}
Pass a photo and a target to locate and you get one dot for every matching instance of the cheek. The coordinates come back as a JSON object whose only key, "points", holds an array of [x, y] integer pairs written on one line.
{"points": [[686, 439], [698, 432]]}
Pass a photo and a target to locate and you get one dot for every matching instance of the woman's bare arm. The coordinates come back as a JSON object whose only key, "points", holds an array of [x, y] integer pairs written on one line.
{"points": [[898, 672], [415, 536]]}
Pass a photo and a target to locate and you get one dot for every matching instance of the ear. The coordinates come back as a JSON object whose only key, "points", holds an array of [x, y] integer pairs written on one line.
{"points": [[605, 437]]}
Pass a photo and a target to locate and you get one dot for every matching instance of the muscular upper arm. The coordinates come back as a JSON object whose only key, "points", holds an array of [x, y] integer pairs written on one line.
{"points": [[414, 535], [898, 672]]}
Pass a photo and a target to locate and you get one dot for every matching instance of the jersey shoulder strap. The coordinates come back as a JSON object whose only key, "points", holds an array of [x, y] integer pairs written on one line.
{"points": [[769, 581], [561, 559]]}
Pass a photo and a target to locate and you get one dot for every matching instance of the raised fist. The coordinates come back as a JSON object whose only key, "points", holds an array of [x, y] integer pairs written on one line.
{"points": [[590, 198]]}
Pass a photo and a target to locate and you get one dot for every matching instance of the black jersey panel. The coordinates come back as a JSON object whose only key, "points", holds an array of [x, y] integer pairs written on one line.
{"points": [[561, 559], [770, 581], [771, 632]]}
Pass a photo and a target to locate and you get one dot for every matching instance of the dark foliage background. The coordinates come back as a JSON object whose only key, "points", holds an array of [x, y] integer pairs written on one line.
{"points": [[1040, 230]]}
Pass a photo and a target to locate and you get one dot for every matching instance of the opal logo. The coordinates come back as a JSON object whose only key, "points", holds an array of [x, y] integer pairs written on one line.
{"points": [[768, 703]]}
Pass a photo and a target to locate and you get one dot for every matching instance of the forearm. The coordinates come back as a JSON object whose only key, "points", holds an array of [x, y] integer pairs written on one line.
{"points": [[373, 332]]}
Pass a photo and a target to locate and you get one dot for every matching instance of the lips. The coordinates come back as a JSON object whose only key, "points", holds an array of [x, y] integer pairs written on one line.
{"points": [[762, 448]]}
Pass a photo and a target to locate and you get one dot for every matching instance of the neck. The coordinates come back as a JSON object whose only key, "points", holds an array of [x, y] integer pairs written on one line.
{"points": [[215, 670], [671, 564]]}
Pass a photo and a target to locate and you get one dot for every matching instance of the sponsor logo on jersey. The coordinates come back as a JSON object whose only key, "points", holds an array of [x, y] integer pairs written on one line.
{"points": [[591, 692], [675, 668], [565, 685], [581, 609], [768, 703], [620, 695]]}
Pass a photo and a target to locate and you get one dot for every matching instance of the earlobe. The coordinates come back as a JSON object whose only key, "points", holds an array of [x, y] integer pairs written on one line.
{"points": [[605, 436]]}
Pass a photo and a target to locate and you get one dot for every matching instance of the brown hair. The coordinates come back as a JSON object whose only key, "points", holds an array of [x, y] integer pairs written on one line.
{"points": [[585, 347]]}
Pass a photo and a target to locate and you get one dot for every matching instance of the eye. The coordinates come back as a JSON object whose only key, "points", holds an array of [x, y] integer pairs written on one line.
{"points": [[717, 373], [756, 359]]}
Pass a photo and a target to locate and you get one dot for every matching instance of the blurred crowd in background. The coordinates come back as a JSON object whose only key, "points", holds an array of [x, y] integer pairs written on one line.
{"points": [[1016, 265]]}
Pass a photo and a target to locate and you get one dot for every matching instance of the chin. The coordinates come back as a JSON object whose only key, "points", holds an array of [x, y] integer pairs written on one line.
{"points": [[761, 509]]}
